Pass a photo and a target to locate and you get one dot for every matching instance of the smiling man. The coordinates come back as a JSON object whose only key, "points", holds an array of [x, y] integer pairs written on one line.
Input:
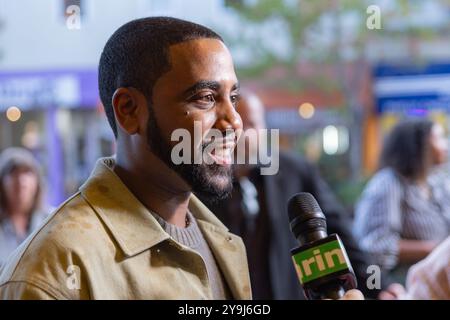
{"points": [[135, 230]]}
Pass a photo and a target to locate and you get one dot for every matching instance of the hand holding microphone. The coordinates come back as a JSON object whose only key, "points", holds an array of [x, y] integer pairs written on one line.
{"points": [[321, 262]]}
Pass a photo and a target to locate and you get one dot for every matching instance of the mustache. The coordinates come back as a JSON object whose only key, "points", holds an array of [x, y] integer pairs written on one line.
{"points": [[229, 139]]}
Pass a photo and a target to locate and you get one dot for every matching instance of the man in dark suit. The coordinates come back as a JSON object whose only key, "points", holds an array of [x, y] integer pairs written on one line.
{"points": [[257, 211]]}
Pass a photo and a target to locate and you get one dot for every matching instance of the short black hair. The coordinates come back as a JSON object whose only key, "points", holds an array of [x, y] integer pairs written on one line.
{"points": [[136, 55], [407, 149]]}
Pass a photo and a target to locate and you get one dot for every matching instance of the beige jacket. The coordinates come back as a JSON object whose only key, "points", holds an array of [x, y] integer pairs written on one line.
{"points": [[102, 243]]}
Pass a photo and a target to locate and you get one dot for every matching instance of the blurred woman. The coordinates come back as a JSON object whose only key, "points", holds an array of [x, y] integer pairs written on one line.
{"points": [[20, 198], [402, 214]]}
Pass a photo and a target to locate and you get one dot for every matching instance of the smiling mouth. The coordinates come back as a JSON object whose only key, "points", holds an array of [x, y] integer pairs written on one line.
{"points": [[221, 152]]}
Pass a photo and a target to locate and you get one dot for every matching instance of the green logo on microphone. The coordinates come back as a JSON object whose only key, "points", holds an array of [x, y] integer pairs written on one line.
{"points": [[319, 261]]}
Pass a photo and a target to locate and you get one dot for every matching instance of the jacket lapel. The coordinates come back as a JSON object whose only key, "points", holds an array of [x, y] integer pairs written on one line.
{"points": [[229, 251]]}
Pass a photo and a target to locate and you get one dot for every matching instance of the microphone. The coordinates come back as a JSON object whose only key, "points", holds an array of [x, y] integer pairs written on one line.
{"points": [[321, 262]]}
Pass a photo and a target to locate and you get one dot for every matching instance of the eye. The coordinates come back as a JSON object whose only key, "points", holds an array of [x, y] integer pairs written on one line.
{"points": [[207, 98], [235, 99], [204, 100]]}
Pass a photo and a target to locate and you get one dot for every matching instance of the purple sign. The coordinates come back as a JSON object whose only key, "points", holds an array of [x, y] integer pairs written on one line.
{"points": [[43, 89]]}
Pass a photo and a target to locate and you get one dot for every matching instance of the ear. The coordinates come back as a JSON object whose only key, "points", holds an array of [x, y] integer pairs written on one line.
{"points": [[127, 106]]}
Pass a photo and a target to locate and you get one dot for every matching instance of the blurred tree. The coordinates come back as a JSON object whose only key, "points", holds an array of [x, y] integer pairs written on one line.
{"points": [[285, 39], [311, 33], [285, 33]]}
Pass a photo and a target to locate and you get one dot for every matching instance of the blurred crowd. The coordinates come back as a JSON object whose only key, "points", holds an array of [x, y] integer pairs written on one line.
{"points": [[401, 222]]}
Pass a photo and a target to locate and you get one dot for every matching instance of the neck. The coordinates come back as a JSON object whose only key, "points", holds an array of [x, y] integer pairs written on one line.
{"points": [[157, 187], [20, 219]]}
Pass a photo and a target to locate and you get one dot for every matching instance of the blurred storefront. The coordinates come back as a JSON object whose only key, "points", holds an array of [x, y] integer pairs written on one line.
{"points": [[412, 91], [57, 115], [405, 91]]}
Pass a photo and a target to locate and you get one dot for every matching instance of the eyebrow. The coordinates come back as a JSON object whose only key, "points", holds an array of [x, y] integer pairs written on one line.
{"points": [[206, 84]]}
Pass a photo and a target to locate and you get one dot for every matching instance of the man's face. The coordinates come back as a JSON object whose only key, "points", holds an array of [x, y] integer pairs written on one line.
{"points": [[200, 87]]}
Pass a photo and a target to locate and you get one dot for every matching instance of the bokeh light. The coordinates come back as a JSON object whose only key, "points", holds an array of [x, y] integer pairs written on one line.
{"points": [[306, 110], [13, 114]]}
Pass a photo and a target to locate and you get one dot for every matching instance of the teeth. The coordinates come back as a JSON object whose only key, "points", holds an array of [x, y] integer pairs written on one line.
{"points": [[221, 155]]}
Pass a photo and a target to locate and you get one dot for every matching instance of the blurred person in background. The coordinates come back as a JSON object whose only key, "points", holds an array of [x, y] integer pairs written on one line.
{"points": [[429, 279], [257, 211], [403, 212], [21, 209]]}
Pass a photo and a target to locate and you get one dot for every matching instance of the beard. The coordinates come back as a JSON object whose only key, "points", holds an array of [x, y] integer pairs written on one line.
{"points": [[209, 181]]}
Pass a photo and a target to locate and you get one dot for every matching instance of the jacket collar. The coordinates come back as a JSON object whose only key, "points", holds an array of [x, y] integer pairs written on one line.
{"points": [[130, 223]]}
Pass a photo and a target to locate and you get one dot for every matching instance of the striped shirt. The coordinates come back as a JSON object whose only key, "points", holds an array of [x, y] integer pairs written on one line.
{"points": [[391, 209]]}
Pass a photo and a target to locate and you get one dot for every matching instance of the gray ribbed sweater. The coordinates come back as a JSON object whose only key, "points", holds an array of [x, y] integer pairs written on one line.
{"points": [[192, 237]]}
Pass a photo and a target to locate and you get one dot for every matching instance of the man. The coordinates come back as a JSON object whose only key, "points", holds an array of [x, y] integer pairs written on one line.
{"points": [[134, 230], [257, 211]]}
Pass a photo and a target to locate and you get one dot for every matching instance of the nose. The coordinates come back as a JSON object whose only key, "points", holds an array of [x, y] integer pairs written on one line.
{"points": [[24, 179], [227, 117]]}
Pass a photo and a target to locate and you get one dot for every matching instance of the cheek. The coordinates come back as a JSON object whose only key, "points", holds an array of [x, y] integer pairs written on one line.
{"points": [[440, 146], [32, 185], [444, 153], [199, 124], [167, 128], [11, 188], [439, 150], [208, 119], [444, 145], [10, 184]]}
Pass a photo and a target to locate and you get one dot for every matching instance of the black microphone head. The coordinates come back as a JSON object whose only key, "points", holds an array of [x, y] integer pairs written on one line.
{"points": [[305, 205], [306, 219]]}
